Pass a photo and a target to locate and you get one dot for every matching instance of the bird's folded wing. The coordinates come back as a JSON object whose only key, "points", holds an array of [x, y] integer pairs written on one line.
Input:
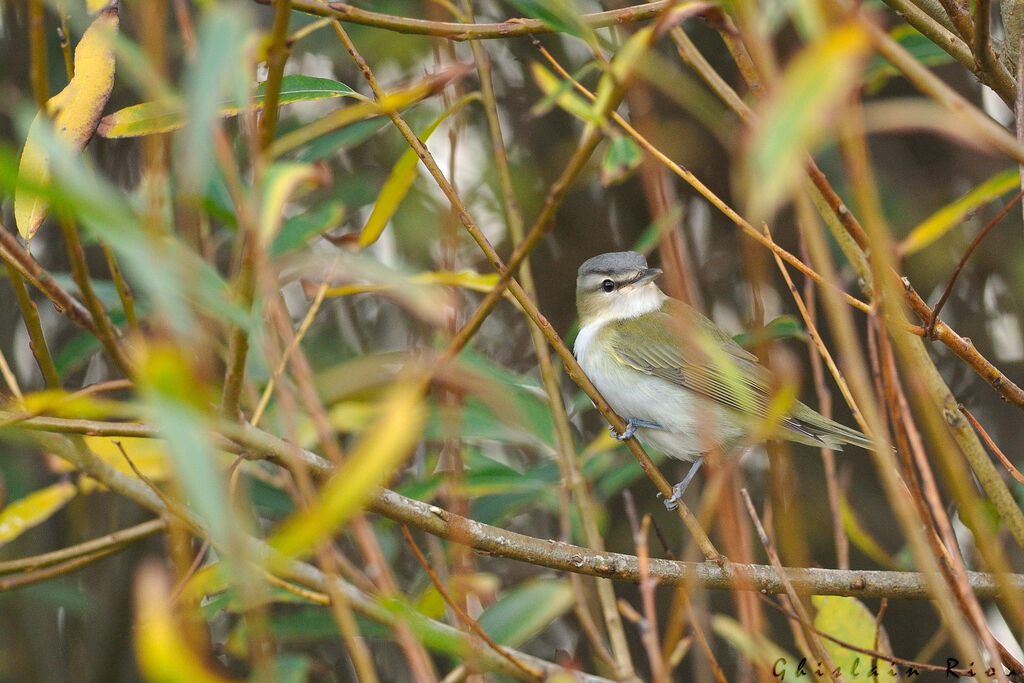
{"points": [[725, 373]]}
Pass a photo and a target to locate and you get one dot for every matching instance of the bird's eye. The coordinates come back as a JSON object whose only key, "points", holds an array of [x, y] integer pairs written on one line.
{"points": [[608, 285]]}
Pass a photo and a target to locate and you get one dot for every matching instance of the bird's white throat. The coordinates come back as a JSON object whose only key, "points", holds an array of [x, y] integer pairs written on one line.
{"points": [[625, 304]]}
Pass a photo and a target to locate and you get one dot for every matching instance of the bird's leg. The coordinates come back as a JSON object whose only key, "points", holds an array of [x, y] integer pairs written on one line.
{"points": [[680, 488], [632, 424]]}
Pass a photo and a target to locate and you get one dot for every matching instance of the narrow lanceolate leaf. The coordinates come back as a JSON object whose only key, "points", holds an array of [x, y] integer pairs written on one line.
{"points": [[397, 186], [75, 112], [467, 279], [33, 509], [951, 215], [849, 621], [175, 397], [148, 118], [797, 118], [383, 446]]}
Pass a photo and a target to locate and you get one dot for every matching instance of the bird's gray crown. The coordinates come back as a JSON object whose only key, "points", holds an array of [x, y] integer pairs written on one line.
{"points": [[613, 262]]}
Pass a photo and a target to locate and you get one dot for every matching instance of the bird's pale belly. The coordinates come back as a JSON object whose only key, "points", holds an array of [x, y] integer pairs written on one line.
{"points": [[691, 425]]}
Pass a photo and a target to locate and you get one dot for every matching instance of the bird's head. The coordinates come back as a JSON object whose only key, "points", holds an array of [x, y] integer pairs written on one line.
{"points": [[616, 286]]}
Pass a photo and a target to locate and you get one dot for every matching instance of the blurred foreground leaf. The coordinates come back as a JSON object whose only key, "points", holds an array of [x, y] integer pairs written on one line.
{"points": [[33, 509], [175, 396], [815, 85], [163, 652], [783, 327], [383, 446], [59, 403], [559, 91]]}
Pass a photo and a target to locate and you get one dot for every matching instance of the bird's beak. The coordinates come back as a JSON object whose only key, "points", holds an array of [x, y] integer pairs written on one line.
{"points": [[646, 275]]}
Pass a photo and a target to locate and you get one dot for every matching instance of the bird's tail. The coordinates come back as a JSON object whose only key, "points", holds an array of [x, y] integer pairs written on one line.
{"points": [[821, 431]]}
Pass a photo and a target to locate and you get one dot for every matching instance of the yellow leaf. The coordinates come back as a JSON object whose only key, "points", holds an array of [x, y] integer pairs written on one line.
{"points": [[848, 620], [396, 187], [160, 645], [76, 112], [951, 215], [59, 403], [33, 509], [150, 456], [560, 92], [345, 417], [383, 446], [467, 279]]}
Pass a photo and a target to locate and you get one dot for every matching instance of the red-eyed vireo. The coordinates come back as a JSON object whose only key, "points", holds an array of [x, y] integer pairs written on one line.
{"points": [[680, 382]]}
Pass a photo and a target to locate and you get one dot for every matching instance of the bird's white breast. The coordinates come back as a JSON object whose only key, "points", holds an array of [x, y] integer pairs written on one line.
{"points": [[690, 424]]}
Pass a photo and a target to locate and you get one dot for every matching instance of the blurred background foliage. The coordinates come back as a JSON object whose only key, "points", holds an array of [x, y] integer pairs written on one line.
{"points": [[243, 230]]}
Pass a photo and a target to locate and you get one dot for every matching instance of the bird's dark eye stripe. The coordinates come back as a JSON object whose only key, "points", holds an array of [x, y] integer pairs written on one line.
{"points": [[608, 285]]}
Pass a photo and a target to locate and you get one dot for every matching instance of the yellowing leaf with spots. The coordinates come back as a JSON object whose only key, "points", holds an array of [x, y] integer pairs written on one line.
{"points": [[33, 509], [75, 112], [382, 447]]}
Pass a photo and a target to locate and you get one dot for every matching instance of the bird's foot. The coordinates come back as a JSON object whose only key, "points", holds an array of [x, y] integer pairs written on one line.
{"points": [[632, 425], [679, 489]]}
